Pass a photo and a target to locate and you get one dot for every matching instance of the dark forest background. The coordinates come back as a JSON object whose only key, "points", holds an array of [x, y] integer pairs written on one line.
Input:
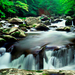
{"points": [[22, 8]]}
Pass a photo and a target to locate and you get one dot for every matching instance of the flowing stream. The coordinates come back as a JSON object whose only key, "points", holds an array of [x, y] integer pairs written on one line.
{"points": [[64, 58]]}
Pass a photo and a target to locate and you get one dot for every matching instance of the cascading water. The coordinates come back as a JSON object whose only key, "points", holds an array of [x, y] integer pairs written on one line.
{"points": [[64, 58], [28, 63], [59, 59], [5, 60]]}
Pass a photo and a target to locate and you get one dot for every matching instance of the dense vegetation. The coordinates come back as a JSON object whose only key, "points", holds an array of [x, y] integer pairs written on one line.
{"points": [[10, 8]]}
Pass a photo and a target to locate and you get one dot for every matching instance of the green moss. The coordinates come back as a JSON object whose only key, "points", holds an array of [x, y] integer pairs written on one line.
{"points": [[17, 33], [22, 25], [1, 40], [6, 30], [33, 25]]}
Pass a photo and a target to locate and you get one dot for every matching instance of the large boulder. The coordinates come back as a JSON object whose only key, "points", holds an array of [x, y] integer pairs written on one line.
{"points": [[32, 20], [41, 27], [15, 21]]}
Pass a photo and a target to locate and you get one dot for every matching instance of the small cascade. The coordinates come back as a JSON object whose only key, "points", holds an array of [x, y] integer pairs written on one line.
{"points": [[5, 60], [17, 63], [29, 62], [60, 58], [72, 23], [72, 28]]}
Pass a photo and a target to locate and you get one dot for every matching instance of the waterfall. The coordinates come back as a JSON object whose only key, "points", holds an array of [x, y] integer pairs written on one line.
{"points": [[5, 60], [61, 58], [29, 62]]}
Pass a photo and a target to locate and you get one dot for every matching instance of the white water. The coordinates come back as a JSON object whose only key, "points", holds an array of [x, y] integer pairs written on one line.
{"points": [[28, 62], [59, 24], [62, 59], [5, 60]]}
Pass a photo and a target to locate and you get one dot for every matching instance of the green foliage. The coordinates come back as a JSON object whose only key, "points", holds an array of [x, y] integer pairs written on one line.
{"points": [[9, 8], [2, 14], [24, 6]]}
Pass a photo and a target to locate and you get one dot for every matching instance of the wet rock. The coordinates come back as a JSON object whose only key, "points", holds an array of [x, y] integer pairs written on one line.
{"points": [[1, 29], [68, 18], [23, 28], [56, 20], [18, 33], [9, 38], [6, 31], [47, 22], [1, 25], [68, 21], [2, 41], [67, 28], [0, 19], [44, 18], [15, 21], [32, 20], [41, 27], [13, 29], [15, 71], [53, 26]]}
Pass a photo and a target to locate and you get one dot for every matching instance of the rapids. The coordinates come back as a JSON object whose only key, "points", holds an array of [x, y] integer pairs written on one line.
{"points": [[42, 44]]}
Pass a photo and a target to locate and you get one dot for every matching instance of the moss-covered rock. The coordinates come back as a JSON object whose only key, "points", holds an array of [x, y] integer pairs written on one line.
{"points": [[6, 31], [13, 29], [32, 20], [67, 28], [18, 33], [47, 22], [68, 22], [15, 34], [22, 25], [22, 33], [15, 21], [41, 27], [9, 38], [14, 71]]}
